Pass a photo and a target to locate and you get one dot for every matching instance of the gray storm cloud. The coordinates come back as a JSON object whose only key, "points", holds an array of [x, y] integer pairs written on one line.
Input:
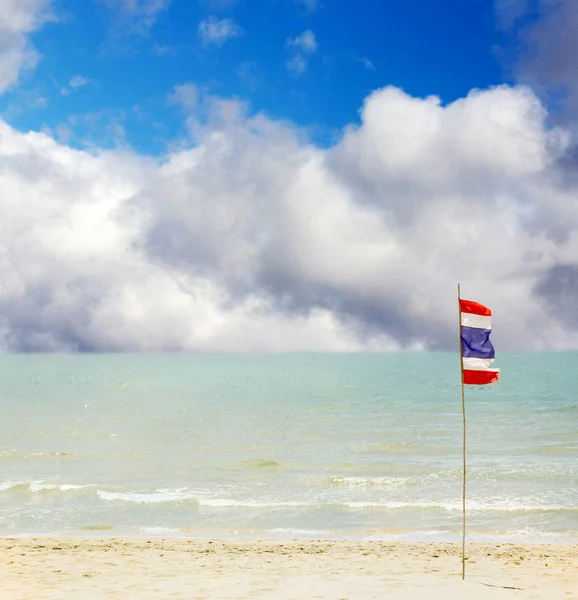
{"points": [[545, 49], [254, 239]]}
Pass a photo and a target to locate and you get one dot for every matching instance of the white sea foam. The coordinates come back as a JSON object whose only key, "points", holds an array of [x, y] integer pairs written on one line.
{"points": [[355, 482], [10, 485], [155, 497], [457, 506], [204, 498], [167, 495], [159, 531], [36, 487], [198, 497]]}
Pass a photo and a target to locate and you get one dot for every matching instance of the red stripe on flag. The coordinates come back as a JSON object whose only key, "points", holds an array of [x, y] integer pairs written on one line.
{"points": [[468, 306], [480, 377]]}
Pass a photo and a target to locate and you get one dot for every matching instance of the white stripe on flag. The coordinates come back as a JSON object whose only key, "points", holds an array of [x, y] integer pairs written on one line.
{"points": [[478, 364], [478, 321]]}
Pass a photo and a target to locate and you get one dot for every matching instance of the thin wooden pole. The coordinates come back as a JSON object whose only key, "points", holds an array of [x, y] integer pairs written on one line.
{"points": [[464, 443]]}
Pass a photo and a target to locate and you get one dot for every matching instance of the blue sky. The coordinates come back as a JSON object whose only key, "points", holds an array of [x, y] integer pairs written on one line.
{"points": [[107, 67]]}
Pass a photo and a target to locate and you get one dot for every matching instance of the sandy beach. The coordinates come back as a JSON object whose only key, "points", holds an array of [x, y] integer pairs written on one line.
{"points": [[136, 569]]}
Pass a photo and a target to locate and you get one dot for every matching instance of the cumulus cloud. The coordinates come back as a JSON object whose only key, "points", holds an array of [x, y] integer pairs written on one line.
{"points": [[254, 239], [138, 16], [217, 31], [18, 18], [367, 63], [184, 95], [305, 42], [302, 47], [76, 82]]}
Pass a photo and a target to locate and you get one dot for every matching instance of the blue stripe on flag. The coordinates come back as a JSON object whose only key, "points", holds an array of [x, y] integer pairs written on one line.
{"points": [[476, 343]]}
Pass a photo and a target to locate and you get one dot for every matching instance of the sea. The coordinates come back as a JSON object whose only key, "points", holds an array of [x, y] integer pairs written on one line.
{"points": [[324, 446]]}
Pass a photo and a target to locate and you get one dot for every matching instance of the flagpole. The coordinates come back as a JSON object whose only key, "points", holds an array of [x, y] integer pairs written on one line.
{"points": [[464, 442]]}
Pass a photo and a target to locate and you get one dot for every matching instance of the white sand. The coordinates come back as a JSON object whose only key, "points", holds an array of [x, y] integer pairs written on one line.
{"points": [[137, 569]]}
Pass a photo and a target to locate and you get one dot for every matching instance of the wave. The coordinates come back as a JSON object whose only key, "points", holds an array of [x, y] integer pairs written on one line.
{"points": [[200, 498], [388, 505], [156, 497], [483, 475], [457, 506], [363, 482], [36, 487], [171, 496], [160, 531]]}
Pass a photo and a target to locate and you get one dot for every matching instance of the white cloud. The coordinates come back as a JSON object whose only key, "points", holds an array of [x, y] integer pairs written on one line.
{"points": [[38, 102], [297, 64], [24, 15], [306, 42], [162, 49], [252, 239], [303, 46], [17, 19], [185, 95], [367, 63], [218, 31], [94, 130], [137, 16], [78, 81], [310, 6], [24, 100]]}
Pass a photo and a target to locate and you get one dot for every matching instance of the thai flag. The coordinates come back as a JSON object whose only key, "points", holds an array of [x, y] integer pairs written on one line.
{"points": [[477, 349]]}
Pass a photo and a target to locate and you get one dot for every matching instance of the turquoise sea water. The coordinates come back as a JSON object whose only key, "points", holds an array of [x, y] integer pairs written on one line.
{"points": [[311, 445]]}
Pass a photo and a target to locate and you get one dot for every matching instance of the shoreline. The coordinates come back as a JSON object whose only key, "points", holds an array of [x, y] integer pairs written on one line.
{"points": [[289, 535], [154, 567]]}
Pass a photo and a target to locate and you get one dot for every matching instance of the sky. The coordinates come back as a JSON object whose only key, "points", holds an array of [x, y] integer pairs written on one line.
{"points": [[286, 175]]}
